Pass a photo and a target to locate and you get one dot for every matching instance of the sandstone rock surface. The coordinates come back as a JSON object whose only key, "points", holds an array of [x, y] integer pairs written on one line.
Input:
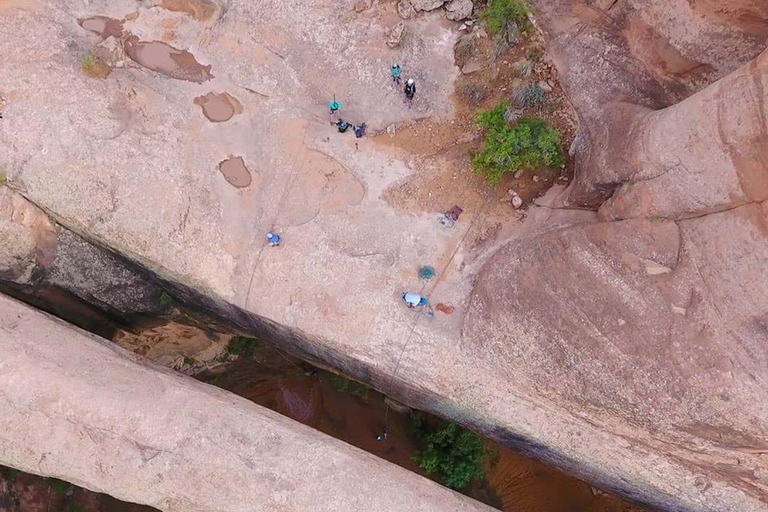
{"points": [[557, 348], [107, 420]]}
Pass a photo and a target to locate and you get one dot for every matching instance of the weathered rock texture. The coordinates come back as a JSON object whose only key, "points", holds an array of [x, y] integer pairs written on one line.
{"points": [[76, 407], [628, 353], [619, 61]]}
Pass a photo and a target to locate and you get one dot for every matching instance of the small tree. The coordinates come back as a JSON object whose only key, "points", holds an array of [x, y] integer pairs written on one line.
{"points": [[529, 144], [454, 453], [506, 16]]}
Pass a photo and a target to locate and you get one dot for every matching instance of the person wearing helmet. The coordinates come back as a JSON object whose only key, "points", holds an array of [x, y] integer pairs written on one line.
{"points": [[395, 69], [410, 90], [334, 106], [273, 239]]}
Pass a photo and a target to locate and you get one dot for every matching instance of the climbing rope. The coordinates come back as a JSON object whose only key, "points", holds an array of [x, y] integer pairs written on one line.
{"points": [[293, 175], [437, 281]]}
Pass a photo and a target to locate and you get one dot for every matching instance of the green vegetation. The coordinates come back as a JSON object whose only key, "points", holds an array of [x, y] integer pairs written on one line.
{"points": [[59, 486], [528, 95], [94, 67], [3, 176], [506, 17], [243, 346], [455, 454], [9, 474], [343, 384], [529, 144], [166, 300], [214, 380], [189, 361]]}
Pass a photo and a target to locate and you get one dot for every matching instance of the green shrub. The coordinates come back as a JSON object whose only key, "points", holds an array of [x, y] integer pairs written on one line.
{"points": [[94, 67], [215, 380], [529, 144], [455, 454], [9, 473], [339, 382], [528, 95], [59, 486], [242, 346], [501, 16], [166, 300]]}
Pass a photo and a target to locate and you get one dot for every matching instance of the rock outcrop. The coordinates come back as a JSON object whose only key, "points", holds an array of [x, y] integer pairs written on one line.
{"points": [[458, 10], [427, 5]]}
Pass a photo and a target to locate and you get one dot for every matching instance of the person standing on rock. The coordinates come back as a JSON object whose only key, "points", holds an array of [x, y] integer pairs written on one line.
{"points": [[334, 106], [273, 239], [410, 90], [395, 69]]}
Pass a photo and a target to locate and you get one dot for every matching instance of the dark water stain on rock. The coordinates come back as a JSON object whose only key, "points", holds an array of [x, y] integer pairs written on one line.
{"points": [[201, 10], [103, 26], [218, 108], [235, 171], [165, 59]]}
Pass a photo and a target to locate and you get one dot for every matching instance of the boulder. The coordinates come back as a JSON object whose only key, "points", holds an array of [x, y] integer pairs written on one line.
{"points": [[458, 10], [405, 9], [396, 35], [427, 5], [363, 5], [471, 67], [111, 51]]}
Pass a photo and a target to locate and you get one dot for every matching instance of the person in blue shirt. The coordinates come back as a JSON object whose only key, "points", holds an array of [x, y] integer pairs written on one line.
{"points": [[273, 239], [395, 69], [414, 299]]}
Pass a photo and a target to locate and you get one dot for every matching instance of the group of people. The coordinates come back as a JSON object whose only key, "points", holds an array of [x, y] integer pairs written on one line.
{"points": [[335, 107], [410, 84]]}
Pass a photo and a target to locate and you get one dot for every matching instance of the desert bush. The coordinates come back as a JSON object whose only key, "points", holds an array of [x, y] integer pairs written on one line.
{"points": [[528, 95], [523, 68], [506, 17], [529, 144], [454, 453], [94, 67], [464, 50]]}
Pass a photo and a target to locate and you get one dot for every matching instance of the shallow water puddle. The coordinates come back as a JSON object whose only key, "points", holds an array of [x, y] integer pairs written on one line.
{"points": [[235, 171], [103, 26], [165, 59], [218, 108]]}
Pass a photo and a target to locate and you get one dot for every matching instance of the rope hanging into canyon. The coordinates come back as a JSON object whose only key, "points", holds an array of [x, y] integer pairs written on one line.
{"points": [[292, 178], [440, 275]]}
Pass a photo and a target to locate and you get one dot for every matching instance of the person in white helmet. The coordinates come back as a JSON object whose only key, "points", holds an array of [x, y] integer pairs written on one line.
{"points": [[410, 90]]}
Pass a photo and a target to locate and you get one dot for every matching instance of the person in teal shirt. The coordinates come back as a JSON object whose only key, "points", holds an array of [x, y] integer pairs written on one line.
{"points": [[334, 106], [395, 69]]}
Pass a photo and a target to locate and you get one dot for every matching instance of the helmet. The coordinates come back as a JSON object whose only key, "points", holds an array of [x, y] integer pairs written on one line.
{"points": [[410, 81]]}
